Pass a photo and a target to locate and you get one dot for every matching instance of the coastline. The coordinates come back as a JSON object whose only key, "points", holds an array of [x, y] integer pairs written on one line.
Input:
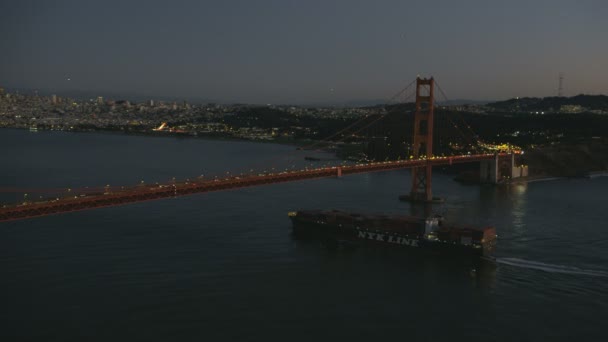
{"points": [[595, 174], [548, 178], [340, 153], [291, 142], [534, 179]]}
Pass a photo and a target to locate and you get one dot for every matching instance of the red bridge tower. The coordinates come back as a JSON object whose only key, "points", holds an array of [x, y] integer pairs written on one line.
{"points": [[423, 140]]}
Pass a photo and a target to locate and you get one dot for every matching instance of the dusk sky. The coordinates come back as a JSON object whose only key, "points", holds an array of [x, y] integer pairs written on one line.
{"points": [[302, 52]]}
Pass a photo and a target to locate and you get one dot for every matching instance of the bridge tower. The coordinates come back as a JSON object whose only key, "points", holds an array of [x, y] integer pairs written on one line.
{"points": [[423, 140]]}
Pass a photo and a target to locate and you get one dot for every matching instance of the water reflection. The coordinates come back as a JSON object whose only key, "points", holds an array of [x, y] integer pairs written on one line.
{"points": [[518, 199]]}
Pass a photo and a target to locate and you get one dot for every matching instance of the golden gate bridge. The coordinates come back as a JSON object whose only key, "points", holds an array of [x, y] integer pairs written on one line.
{"points": [[420, 162]]}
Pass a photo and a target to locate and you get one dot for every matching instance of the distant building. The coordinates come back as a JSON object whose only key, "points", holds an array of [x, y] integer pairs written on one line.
{"points": [[100, 100], [54, 99], [1, 91], [151, 103]]}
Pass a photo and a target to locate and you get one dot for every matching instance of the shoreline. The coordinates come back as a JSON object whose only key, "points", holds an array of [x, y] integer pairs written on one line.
{"points": [[292, 142], [287, 142], [596, 174], [536, 179], [297, 143]]}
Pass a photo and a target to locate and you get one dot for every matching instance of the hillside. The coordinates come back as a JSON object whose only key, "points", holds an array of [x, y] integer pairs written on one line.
{"points": [[551, 104]]}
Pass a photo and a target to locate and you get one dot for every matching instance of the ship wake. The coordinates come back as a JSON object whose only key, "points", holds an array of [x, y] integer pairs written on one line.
{"points": [[541, 266]]}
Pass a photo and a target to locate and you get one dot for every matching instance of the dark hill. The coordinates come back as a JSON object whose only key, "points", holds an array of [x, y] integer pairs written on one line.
{"points": [[551, 104]]}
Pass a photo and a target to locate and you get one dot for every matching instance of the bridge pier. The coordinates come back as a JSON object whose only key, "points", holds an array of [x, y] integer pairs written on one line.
{"points": [[488, 170], [498, 169]]}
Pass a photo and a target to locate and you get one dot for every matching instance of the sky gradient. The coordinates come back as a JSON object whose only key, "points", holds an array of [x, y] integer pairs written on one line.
{"points": [[304, 51]]}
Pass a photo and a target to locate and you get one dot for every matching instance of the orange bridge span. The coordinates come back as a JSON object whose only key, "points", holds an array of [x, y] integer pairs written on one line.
{"points": [[153, 192]]}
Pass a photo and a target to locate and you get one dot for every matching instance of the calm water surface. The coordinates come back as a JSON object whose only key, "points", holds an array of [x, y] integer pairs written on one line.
{"points": [[223, 266]]}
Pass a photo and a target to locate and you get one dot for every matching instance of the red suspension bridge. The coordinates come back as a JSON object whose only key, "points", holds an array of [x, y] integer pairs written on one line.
{"points": [[421, 162]]}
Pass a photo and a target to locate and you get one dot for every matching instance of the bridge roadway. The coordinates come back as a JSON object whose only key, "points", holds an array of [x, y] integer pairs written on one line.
{"points": [[153, 192]]}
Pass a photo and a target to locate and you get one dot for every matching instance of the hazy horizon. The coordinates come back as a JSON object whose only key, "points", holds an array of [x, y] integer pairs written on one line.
{"points": [[83, 94], [294, 52]]}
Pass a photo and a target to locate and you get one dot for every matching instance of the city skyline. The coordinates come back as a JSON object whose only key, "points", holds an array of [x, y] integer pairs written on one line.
{"points": [[290, 52]]}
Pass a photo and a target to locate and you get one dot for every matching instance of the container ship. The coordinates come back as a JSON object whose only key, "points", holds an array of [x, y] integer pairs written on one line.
{"points": [[433, 233]]}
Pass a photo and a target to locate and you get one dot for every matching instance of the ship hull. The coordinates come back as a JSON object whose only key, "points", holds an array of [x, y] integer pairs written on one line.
{"points": [[336, 234]]}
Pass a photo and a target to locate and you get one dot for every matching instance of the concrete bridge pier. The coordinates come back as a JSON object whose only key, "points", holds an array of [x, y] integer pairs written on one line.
{"points": [[488, 170], [498, 169]]}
